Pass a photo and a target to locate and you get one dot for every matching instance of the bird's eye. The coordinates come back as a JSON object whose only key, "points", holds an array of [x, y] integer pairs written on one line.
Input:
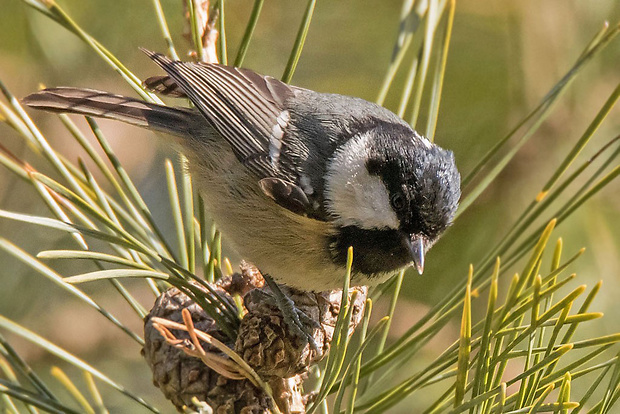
{"points": [[398, 202]]}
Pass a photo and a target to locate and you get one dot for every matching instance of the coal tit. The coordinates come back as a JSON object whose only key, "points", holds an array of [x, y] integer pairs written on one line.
{"points": [[293, 177]]}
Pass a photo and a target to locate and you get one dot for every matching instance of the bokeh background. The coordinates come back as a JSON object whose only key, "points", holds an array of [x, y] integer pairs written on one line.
{"points": [[504, 57]]}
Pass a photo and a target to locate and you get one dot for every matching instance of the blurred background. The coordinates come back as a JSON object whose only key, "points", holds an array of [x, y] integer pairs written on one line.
{"points": [[504, 57]]}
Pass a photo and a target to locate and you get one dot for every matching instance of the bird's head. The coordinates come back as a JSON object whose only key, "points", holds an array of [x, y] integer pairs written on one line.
{"points": [[391, 194]]}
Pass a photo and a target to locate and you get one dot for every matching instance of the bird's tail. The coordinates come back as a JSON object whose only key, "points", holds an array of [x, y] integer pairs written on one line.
{"points": [[177, 121]]}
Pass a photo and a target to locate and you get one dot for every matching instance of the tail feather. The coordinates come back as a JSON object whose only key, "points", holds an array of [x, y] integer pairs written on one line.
{"points": [[177, 121]]}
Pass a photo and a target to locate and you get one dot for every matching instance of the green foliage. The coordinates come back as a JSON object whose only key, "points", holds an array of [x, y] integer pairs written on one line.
{"points": [[519, 357]]}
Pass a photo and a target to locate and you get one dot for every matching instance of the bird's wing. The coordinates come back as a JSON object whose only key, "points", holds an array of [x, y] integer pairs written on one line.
{"points": [[248, 111]]}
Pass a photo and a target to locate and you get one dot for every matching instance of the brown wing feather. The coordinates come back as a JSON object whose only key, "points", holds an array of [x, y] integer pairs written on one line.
{"points": [[164, 85]]}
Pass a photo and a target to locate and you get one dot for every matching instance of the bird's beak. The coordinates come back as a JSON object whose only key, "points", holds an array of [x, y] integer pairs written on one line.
{"points": [[417, 250]]}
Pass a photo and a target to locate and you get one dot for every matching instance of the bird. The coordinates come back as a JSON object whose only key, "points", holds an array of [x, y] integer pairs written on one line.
{"points": [[293, 177]]}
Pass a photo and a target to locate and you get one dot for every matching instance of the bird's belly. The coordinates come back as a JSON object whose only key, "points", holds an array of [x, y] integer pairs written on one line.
{"points": [[290, 248]]}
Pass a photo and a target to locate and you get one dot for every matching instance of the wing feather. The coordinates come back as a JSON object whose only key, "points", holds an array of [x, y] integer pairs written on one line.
{"points": [[249, 111]]}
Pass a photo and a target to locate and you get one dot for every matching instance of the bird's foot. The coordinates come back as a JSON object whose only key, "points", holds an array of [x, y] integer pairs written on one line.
{"points": [[299, 323]]}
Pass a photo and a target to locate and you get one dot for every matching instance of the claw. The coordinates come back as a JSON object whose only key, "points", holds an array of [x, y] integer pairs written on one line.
{"points": [[293, 316]]}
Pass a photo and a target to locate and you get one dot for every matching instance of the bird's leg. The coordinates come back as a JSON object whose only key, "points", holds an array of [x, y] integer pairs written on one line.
{"points": [[299, 323]]}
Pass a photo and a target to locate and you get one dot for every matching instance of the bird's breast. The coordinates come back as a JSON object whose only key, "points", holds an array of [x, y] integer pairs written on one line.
{"points": [[291, 248]]}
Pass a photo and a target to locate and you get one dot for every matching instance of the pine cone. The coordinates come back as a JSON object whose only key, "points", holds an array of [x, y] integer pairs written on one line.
{"points": [[267, 344], [264, 341], [181, 377]]}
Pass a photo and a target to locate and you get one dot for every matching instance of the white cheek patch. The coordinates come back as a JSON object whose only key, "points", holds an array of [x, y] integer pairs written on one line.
{"points": [[354, 196]]}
